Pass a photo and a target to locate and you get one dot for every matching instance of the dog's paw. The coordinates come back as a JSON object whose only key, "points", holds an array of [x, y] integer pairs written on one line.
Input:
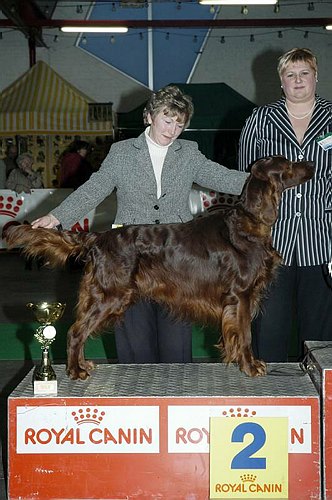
{"points": [[77, 374], [88, 366], [256, 368], [81, 372]]}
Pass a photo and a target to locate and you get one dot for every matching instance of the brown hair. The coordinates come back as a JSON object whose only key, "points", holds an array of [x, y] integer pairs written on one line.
{"points": [[171, 101]]}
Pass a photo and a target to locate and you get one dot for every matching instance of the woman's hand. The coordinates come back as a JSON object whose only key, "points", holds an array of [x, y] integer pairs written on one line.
{"points": [[48, 222]]}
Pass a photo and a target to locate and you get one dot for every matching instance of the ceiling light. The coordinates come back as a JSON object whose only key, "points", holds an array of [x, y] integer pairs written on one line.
{"points": [[93, 29], [238, 2], [328, 27]]}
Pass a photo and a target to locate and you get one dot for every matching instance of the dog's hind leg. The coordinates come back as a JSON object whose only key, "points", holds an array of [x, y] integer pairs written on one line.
{"points": [[77, 366], [236, 339], [94, 314]]}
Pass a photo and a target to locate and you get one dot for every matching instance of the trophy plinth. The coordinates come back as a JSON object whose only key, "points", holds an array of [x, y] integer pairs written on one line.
{"points": [[44, 378]]}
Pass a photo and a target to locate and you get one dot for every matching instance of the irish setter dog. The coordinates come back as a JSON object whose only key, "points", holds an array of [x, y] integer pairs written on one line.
{"points": [[213, 269]]}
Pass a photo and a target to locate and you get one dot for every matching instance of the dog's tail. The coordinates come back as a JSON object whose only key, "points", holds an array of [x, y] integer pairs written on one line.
{"points": [[54, 246]]}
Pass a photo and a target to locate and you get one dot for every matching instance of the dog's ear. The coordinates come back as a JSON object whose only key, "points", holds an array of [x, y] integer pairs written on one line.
{"points": [[260, 169], [260, 200], [269, 210]]}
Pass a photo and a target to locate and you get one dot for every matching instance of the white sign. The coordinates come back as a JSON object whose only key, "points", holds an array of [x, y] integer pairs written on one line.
{"points": [[26, 207], [87, 429], [191, 434]]}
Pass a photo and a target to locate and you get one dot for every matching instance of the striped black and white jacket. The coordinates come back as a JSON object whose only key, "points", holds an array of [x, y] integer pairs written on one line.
{"points": [[303, 230]]}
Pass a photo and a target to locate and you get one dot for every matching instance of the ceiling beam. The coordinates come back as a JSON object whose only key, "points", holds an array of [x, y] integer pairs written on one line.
{"points": [[22, 15], [36, 23]]}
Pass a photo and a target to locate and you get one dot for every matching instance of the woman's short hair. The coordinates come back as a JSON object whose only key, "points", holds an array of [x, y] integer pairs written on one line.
{"points": [[22, 157], [295, 55], [172, 102], [77, 145]]}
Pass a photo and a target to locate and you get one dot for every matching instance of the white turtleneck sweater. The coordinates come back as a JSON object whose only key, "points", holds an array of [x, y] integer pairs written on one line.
{"points": [[157, 155]]}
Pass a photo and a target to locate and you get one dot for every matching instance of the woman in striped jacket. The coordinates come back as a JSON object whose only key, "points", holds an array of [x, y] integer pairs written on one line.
{"points": [[298, 126]]}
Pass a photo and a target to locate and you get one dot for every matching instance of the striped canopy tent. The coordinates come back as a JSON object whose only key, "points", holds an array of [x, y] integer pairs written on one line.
{"points": [[42, 102]]}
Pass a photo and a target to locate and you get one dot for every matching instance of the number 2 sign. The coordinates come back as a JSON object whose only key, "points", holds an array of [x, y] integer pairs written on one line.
{"points": [[249, 458]]}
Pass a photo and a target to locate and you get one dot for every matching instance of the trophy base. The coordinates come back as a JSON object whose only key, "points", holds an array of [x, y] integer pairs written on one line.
{"points": [[45, 387]]}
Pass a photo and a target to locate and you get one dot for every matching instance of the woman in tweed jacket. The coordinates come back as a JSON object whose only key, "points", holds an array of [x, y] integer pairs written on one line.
{"points": [[153, 176], [298, 127]]}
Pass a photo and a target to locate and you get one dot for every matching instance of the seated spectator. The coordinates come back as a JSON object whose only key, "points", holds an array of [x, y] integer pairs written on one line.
{"points": [[23, 178], [7, 164], [75, 170], [2, 176]]}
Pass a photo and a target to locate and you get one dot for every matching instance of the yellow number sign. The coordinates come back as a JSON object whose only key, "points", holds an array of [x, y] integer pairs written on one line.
{"points": [[249, 458]]}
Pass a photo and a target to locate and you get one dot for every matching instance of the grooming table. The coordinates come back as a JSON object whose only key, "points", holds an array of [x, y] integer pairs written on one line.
{"points": [[319, 366], [142, 431]]}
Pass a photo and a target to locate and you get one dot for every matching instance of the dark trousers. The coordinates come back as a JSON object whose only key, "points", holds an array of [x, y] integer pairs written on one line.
{"points": [[149, 334], [300, 296]]}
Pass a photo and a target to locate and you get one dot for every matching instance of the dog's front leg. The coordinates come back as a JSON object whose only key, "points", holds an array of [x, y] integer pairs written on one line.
{"points": [[236, 334]]}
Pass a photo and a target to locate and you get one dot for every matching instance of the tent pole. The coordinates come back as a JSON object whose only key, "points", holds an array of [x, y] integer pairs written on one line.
{"points": [[32, 50], [150, 51]]}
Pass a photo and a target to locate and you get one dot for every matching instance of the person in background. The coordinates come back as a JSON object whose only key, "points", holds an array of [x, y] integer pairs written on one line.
{"points": [[7, 163], [297, 126], [23, 178], [153, 175], [74, 167], [2, 175]]}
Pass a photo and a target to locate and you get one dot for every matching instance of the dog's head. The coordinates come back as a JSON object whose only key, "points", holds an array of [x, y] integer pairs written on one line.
{"points": [[283, 172], [268, 179]]}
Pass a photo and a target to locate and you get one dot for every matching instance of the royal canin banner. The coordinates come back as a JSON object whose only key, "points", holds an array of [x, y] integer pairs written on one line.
{"points": [[88, 429], [25, 207], [122, 429]]}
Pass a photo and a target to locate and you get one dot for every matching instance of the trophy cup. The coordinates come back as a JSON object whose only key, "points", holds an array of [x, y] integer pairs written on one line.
{"points": [[44, 378]]}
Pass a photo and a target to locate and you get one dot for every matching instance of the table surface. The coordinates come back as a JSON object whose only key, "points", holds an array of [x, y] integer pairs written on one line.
{"points": [[178, 380], [321, 351]]}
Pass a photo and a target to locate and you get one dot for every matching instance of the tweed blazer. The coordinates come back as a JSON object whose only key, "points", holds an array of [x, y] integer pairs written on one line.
{"points": [[128, 169], [303, 230]]}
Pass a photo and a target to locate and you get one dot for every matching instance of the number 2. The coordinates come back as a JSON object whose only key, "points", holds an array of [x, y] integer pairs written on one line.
{"points": [[244, 460]]}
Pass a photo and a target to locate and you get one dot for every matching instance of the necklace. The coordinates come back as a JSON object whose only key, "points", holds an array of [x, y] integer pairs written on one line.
{"points": [[300, 117]]}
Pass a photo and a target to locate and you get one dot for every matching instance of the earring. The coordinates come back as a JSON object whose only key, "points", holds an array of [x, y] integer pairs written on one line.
{"points": [[281, 87]]}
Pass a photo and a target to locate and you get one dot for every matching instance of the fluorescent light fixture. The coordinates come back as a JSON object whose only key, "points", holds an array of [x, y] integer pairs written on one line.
{"points": [[328, 27], [238, 2], [94, 29]]}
